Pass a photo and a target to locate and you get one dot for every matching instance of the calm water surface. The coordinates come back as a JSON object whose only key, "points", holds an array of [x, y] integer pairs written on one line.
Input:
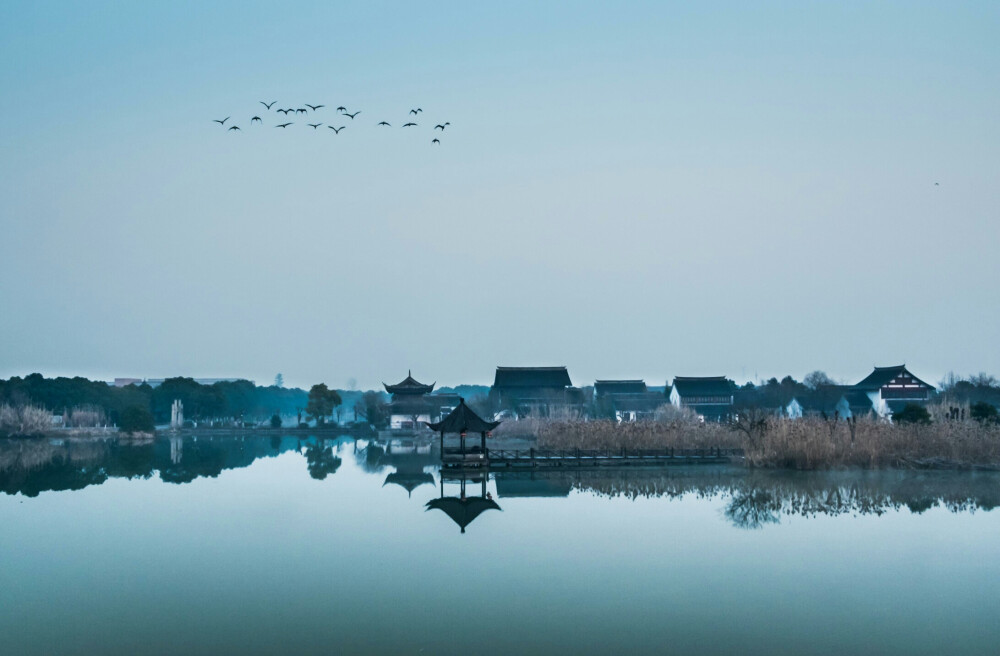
{"points": [[306, 546]]}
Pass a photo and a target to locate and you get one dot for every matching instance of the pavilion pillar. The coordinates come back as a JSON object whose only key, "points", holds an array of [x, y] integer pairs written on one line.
{"points": [[483, 436]]}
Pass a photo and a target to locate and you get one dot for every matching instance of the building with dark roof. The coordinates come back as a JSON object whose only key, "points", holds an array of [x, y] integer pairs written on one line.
{"points": [[414, 404], [536, 391], [892, 388], [626, 400], [710, 396], [830, 401]]}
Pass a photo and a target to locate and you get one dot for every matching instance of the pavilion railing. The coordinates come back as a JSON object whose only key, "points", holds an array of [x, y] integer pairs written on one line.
{"points": [[612, 454]]}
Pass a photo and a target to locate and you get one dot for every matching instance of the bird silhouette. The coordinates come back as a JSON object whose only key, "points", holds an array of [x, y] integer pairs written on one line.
{"points": [[341, 109], [283, 125], [336, 130], [222, 122], [406, 125], [314, 107], [256, 118], [352, 115], [937, 184], [282, 111], [416, 111], [437, 141], [266, 105], [314, 125], [300, 110], [442, 126], [235, 127], [384, 123]]}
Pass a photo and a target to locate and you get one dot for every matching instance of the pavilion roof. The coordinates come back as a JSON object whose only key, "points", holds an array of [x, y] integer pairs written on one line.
{"points": [[703, 386], [408, 480], [554, 377], [883, 375], [619, 387], [463, 511], [409, 385], [463, 420]]}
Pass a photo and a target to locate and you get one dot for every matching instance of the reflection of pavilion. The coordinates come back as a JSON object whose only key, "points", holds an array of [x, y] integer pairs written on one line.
{"points": [[464, 509], [409, 480]]}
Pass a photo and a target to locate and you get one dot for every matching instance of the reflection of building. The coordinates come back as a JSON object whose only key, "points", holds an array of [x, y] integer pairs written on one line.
{"points": [[413, 404], [629, 400], [463, 509], [532, 484], [710, 396], [892, 388], [536, 391]]}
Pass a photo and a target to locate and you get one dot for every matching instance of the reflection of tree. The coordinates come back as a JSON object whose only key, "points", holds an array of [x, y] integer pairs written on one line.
{"points": [[371, 458], [321, 461], [753, 509]]}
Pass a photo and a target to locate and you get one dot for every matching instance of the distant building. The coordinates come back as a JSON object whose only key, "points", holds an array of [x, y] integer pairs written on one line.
{"points": [[629, 400], [156, 382], [536, 391], [413, 404], [830, 401], [892, 388], [710, 396]]}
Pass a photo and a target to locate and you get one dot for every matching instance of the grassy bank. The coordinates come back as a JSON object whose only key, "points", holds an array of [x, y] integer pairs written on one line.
{"points": [[797, 443]]}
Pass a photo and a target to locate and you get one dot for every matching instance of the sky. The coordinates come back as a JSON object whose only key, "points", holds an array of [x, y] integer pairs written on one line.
{"points": [[633, 190]]}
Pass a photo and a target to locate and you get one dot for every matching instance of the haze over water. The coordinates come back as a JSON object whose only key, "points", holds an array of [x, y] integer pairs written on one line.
{"points": [[263, 557]]}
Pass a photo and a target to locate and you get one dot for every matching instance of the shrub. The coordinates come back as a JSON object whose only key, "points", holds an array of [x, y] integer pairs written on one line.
{"points": [[985, 413], [275, 421], [136, 419], [912, 414], [24, 420]]}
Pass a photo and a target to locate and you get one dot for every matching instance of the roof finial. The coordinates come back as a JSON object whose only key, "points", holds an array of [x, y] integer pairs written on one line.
{"points": [[409, 373]]}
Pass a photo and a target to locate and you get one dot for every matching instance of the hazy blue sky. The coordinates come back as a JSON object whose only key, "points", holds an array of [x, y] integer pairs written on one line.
{"points": [[629, 189]]}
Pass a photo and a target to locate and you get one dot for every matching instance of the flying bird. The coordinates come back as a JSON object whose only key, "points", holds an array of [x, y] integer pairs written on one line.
{"points": [[384, 123], [437, 141], [406, 125], [937, 184], [314, 107], [314, 125], [222, 122], [283, 125], [282, 111], [256, 118], [352, 115], [302, 111], [336, 130], [416, 111], [268, 106], [341, 109], [235, 127], [441, 126]]}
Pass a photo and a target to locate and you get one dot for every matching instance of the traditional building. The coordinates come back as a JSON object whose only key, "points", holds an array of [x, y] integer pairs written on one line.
{"points": [[413, 404], [892, 388], [628, 400], [831, 402], [536, 391], [710, 396]]}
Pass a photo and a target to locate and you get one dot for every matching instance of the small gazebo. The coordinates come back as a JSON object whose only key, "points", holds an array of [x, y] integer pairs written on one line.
{"points": [[462, 420]]}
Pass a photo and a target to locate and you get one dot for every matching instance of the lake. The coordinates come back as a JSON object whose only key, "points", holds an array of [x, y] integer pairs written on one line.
{"points": [[273, 545]]}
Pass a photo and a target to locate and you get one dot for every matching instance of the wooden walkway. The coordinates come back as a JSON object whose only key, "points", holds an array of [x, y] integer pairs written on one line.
{"points": [[588, 457]]}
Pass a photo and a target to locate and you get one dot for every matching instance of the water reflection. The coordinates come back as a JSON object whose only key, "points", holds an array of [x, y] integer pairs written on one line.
{"points": [[463, 509], [752, 499]]}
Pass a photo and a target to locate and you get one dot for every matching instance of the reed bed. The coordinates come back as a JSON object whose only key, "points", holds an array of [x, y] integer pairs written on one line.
{"points": [[808, 443]]}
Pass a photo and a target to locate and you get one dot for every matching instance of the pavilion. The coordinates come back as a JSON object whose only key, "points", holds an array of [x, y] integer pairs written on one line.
{"points": [[462, 420]]}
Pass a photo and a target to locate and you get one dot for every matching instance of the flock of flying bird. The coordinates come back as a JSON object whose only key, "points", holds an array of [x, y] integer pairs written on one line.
{"points": [[341, 111]]}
